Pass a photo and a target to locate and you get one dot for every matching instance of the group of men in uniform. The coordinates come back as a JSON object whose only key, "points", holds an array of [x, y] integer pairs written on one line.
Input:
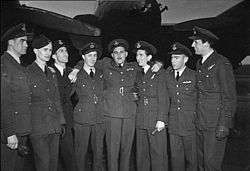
{"points": [[117, 101]]}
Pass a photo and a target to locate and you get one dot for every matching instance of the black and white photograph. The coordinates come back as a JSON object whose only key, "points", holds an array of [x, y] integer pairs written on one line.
{"points": [[125, 85]]}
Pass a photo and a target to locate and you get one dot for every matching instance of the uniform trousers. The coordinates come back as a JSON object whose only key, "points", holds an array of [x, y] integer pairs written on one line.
{"points": [[151, 150], [183, 152], [119, 140], [45, 148], [10, 159], [67, 159], [210, 151], [93, 134]]}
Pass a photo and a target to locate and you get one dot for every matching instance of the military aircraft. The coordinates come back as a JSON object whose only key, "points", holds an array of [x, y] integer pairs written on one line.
{"points": [[112, 19], [141, 20], [134, 20], [130, 19]]}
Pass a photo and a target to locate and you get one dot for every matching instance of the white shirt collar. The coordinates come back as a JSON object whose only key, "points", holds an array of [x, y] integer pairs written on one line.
{"points": [[41, 65], [87, 69], [180, 71], [60, 68], [204, 58], [14, 56], [145, 68]]}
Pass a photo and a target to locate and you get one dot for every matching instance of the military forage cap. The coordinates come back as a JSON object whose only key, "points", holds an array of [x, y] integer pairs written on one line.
{"points": [[118, 42], [90, 47], [40, 41], [180, 49], [57, 44], [200, 33], [151, 50], [15, 32]]}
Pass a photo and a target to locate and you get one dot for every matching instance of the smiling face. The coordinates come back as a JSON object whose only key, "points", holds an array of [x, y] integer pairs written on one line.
{"points": [[90, 58], [119, 55], [61, 55], [142, 57], [178, 61], [43, 54]]}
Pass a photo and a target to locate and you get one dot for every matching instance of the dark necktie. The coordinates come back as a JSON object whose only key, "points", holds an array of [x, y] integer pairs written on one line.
{"points": [[120, 65], [91, 74], [64, 72], [142, 71], [177, 76], [46, 71]]}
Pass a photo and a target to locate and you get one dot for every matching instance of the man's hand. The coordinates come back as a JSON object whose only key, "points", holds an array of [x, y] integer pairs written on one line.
{"points": [[160, 125], [221, 133], [73, 75], [157, 66], [12, 142]]}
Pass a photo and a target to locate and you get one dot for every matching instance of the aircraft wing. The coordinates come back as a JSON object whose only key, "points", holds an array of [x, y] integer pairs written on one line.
{"points": [[56, 21], [208, 23]]}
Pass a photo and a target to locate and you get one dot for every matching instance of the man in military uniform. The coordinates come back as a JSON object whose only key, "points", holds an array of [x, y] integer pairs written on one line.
{"points": [[66, 151], [119, 102], [119, 105], [47, 115], [151, 117], [181, 84], [15, 99], [216, 100], [88, 115]]}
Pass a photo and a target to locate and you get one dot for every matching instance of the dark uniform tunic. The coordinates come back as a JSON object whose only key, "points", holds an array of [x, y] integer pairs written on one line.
{"points": [[216, 107], [88, 118], [119, 109], [47, 117], [15, 108], [181, 122], [153, 106], [66, 150]]}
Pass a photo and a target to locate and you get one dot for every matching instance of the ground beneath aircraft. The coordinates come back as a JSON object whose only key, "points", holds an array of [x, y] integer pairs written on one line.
{"points": [[237, 156]]}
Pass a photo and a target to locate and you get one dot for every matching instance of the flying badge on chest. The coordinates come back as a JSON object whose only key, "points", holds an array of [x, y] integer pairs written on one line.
{"points": [[210, 67], [130, 69], [186, 82], [153, 76]]}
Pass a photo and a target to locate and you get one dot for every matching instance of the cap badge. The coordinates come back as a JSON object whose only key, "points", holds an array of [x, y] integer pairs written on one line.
{"points": [[92, 46], [138, 45], [116, 43], [60, 42], [23, 27], [194, 31], [174, 47]]}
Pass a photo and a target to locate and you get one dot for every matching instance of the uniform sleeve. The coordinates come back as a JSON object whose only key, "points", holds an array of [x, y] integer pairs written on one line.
{"points": [[228, 94], [101, 64], [8, 124], [163, 97], [79, 65]]}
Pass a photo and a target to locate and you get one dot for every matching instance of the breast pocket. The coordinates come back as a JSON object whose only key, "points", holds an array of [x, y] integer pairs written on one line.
{"points": [[188, 86], [152, 87], [208, 79], [19, 83]]}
